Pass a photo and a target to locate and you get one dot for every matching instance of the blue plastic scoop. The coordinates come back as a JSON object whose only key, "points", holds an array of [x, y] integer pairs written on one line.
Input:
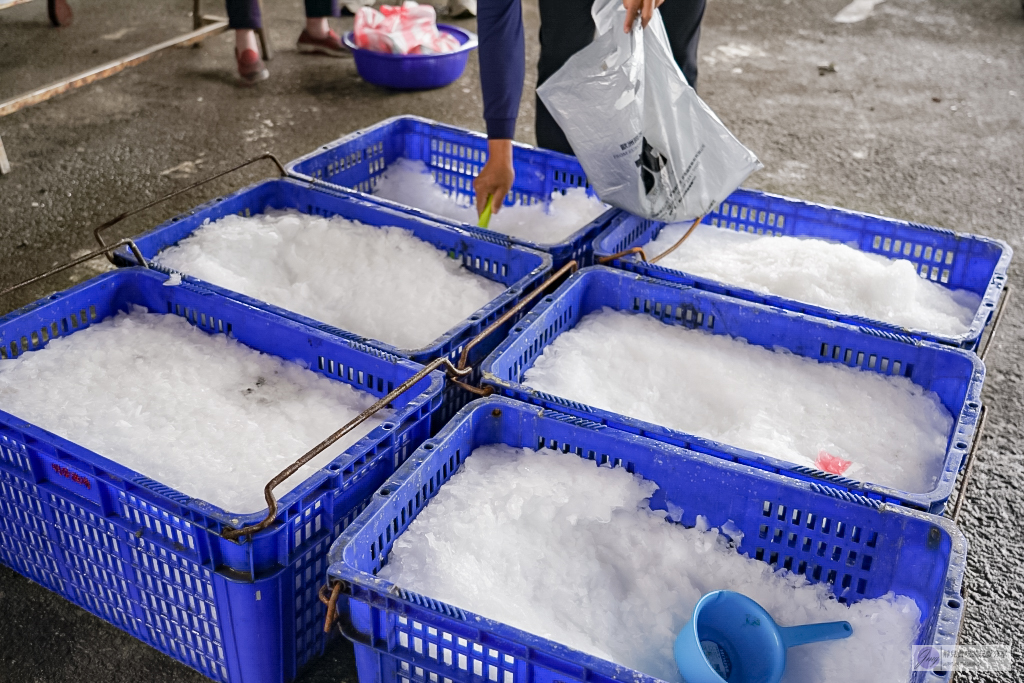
{"points": [[732, 639]]}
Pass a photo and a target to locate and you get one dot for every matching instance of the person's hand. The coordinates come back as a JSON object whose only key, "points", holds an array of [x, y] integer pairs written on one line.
{"points": [[496, 177], [644, 8]]}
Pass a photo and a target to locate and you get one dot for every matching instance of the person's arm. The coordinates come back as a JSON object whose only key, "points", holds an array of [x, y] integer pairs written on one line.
{"points": [[502, 56]]}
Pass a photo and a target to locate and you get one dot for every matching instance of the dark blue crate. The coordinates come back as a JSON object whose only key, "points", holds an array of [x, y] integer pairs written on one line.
{"points": [[954, 260], [955, 375], [356, 161], [151, 560], [912, 553], [518, 268]]}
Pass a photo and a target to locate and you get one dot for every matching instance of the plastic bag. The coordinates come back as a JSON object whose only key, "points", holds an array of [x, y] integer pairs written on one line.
{"points": [[649, 145], [409, 28]]}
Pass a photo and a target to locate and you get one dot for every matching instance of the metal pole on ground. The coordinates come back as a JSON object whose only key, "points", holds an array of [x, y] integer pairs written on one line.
{"points": [[204, 27]]}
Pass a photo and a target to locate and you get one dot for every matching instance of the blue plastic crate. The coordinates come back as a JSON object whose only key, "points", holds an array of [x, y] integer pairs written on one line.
{"points": [[954, 260], [151, 560], [413, 71], [518, 268], [455, 156], [404, 637], [955, 375]]}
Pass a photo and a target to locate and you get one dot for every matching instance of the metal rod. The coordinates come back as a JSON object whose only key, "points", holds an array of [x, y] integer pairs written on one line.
{"points": [[268, 491], [569, 267], [643, 255], [5, 4], [996, 319], [96, 73], [681, 240], [82, 259], [331, 602], [334, 617], [479, 391], [266, 49], [634, 250], [114, 221], [453, 373], [969, 467]]}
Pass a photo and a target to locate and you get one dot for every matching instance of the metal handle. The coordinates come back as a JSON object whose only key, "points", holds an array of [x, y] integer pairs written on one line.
{"points": [[568, 268], [82, 259], [643, 254], [969, 467], [268, 491], [114, 221], [996, 319], [332, 617], [453, 374]]}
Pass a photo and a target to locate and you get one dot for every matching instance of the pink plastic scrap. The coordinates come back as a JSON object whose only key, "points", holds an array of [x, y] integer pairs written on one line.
{"points": [[409, 29], [832, 464]]}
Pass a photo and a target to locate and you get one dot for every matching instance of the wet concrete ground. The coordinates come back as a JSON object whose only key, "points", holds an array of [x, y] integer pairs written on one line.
{"points": [[921, 120]]}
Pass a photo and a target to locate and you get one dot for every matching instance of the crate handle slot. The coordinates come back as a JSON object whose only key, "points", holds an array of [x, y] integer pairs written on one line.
{"points": [[998, 318], [114, 221], [106, 250], [643, 255], [969, 467], [453, 373]]}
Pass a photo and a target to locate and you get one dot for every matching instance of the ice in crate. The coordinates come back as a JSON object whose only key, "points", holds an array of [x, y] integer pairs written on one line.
{"points": [[815, 271], [864, 425], [411, 183], [198, 412], [382, 283], [552, 544]]}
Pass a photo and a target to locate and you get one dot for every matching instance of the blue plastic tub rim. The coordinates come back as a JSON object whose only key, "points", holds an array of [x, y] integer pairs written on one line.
{"points": [[340, 569], [468, 39], [172, 497], [601, 221], [986, 307], [355, 198], [927, 500]]}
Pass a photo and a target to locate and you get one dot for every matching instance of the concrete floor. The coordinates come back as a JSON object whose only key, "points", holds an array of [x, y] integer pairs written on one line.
{"points": [[922, 120]]}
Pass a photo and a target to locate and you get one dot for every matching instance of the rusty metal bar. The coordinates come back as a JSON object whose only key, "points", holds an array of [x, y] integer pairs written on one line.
{"points": [[5, 4], [479, 391], [266, 49], [453, 372], [568, 268], [114, 221], [994, 327], [216, 25], [82, 259], [643, 254], [634, 250], [332, 604], [969, 467], [268, 491], [681, 240]]}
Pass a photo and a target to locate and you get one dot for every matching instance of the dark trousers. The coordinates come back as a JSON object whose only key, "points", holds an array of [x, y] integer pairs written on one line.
{"points": [[246, 13], [566, 27]]}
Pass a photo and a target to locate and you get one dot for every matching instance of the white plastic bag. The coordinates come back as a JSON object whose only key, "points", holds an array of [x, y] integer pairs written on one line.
{"points": [[649, 145]]}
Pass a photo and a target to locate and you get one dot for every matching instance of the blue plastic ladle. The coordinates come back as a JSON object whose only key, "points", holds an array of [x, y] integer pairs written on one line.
{"points": [[732, 639]]}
